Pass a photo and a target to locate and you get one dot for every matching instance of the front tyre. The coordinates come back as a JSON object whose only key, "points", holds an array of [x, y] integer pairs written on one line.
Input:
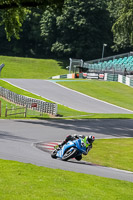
{"points": [[78, 157], [53, 154], [69, 154]]}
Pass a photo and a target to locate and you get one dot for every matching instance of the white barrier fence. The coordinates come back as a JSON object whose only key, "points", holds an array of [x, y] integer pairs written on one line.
{"points": [[127, 80], [41, 106], [69, 76]]}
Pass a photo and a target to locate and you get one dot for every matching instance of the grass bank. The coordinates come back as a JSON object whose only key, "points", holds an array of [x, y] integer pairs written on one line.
{"points": [[16, 67], [26, 181]]}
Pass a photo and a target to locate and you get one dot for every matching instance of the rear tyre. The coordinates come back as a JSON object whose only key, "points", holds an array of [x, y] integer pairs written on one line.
{"points": [[69, 154], [53, 154]]}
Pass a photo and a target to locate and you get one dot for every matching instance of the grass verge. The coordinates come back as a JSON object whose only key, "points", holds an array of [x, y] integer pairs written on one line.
{"points": [[26, 181], [111, 92], [116, 153]]}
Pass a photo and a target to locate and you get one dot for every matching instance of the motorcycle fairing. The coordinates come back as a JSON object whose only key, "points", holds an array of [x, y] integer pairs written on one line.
{"points": [[71, 145]]}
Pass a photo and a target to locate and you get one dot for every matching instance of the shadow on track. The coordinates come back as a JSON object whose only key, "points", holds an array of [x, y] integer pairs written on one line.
{"points": [[7, 136], [113, 127]]}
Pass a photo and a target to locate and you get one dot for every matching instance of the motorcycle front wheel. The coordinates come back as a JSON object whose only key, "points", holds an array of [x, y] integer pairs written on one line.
{"points": [[69, 154], [53, 154], [78, 158]]}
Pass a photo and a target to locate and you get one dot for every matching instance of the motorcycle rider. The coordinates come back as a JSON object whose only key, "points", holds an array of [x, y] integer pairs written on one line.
{"points": [[86, 141]]}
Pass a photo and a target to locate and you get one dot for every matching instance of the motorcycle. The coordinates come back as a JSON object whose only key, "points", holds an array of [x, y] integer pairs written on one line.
{"points": [[72, 149]]}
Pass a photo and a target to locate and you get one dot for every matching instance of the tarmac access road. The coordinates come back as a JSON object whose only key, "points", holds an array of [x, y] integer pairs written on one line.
{"points": [[18, 139], [70, 98]]}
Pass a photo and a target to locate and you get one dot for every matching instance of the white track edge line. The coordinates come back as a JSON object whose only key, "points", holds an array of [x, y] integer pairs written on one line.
{"points": [[41, 96], [92, 97], [73, 91]]}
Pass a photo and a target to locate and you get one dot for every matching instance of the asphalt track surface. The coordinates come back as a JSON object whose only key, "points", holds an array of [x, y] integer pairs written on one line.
{"points": [[18, 139], [72, 99]]}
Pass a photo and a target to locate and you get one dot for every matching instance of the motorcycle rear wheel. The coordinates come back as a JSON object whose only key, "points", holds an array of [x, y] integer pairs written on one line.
{"points": [[69, 154]]}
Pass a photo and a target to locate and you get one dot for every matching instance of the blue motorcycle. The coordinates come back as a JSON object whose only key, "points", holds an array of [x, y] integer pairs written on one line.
{"points": [[72, 149]]}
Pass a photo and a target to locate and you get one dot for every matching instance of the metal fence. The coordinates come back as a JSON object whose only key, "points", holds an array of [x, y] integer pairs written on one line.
{"points": [[110, 58], [42, 106]]}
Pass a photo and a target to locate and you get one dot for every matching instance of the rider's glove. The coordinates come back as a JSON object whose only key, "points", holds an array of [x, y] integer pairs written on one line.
{"points": [[89, 148], [82, 144], [75, 136], [85, 153]]}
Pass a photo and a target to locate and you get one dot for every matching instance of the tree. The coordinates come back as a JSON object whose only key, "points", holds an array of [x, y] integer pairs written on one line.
{"points": [[79, 31], [7, 4], [13, 13], [122, 12], [30, 44]]}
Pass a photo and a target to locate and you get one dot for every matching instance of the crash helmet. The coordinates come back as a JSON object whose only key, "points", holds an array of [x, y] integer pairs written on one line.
{"points": [[90, 138]]}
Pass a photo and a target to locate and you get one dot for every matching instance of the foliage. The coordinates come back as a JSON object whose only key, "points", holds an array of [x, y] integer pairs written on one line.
{"points": [[78, 30], [122, 12], [30, 43], [7, 4], [13, 13], [13, 26]]}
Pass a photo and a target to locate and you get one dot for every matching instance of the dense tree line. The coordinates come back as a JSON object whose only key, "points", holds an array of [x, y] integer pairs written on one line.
{"points": [[122, 13], [13, 13], [79, 31], [63, 29]]}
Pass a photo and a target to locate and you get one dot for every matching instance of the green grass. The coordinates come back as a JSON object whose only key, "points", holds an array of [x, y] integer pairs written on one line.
{"points": [[116, 153], [31, 68], [112, 92], [29, 182]]}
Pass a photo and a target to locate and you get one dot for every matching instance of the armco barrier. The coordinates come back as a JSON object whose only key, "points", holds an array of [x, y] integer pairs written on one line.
{"points": [[123, 79], [131, 82], [80, 75], [42, 106], [112, 77], [89, 75], [64, 76]]}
